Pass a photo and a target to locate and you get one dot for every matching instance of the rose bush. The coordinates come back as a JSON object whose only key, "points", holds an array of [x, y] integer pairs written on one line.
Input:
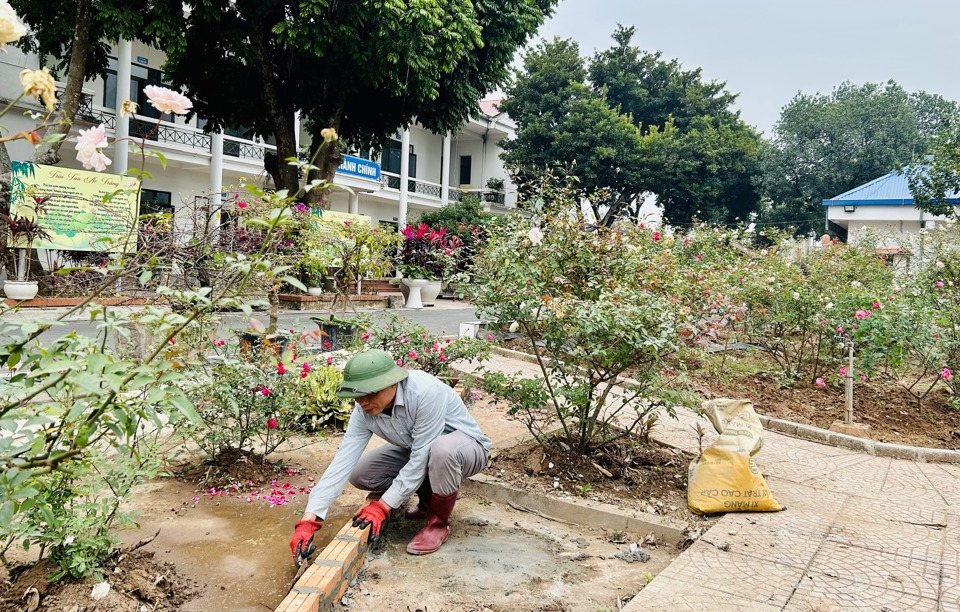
{"points": [[576, 296]]}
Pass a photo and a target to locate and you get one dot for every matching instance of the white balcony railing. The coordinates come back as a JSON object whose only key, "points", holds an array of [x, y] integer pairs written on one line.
{"points": [[178, 136], [432, 191]]}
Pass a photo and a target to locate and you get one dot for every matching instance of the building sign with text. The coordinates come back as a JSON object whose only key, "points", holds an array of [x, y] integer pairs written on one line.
{"points": [[359, 167], [82, 211]]}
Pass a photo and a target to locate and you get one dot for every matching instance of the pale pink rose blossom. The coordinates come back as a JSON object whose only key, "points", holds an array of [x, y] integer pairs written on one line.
{"points": [[89, 147], [946, 374], [821, 383], [535, 235], [167, 101]]}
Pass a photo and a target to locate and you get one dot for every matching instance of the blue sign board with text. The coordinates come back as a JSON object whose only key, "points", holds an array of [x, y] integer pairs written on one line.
{"points": [[359, 167]]}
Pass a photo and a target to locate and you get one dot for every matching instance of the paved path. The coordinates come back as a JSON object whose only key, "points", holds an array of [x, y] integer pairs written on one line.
{"points": [[859, 533], [444, 318]]}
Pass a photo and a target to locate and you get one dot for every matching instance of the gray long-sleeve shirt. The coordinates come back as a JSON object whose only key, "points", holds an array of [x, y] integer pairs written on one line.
{"points": [[424, 409]]}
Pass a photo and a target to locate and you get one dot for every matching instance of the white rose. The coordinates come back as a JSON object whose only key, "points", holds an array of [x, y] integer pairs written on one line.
{"points": [[11, 30]]}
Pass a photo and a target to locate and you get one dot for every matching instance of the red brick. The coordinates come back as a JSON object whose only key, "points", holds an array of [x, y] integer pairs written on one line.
{"points": [[310, 604]]}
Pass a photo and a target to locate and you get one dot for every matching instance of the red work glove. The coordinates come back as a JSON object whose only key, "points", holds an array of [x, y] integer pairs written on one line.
{"points": [[373, 514], [302, 532]]}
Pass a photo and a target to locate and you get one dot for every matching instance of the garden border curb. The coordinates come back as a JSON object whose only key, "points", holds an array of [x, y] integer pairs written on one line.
{"points": [[584, 514], [864, 445], [823, 436]]}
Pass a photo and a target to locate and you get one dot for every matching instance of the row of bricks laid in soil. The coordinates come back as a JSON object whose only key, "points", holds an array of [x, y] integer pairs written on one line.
{"points": [[326, 580]]}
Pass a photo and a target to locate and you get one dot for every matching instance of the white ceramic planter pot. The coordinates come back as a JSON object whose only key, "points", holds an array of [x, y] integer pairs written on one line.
{"points": [[429, 293], [20, 290], [415, 285], [315, 291]]}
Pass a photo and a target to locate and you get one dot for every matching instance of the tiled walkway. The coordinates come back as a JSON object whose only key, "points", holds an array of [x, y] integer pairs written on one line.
{"points": [[859, 533]]}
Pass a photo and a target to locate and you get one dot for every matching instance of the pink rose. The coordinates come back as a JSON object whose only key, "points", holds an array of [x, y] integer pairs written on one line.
{"points": [[843, 371], [264, 391], [90, 145], [821, 383], [281, 370], [271, 423], [329, 361], [400, 362], [241, 204], [656, 236], [306, 367], [490, 337], [365, 336], [412, 354], [946, 374], [168, 101], [939, 284]]}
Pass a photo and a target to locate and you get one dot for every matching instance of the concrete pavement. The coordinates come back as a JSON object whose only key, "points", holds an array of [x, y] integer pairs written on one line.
{"points": [[443, 318], [860, 532]]}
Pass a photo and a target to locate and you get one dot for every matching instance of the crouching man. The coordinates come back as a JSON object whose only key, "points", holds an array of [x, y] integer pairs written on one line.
{"points": [[433, 444]]}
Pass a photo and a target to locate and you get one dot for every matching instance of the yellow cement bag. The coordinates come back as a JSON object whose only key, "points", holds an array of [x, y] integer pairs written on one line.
{"points": [[725, 478]]}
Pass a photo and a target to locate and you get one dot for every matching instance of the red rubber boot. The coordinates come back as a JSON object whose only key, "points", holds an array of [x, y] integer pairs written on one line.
{"points": [[433, 535]]}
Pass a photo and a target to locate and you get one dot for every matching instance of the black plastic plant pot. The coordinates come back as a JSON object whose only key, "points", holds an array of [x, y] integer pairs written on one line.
{"points": [[339, 335], [251, 342]]}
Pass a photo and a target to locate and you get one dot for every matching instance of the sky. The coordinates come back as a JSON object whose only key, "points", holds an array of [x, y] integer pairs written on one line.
{"points": [[769, 50]]}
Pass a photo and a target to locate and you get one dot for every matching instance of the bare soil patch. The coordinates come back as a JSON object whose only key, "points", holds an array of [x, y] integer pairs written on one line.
{"points": [[137, 580], [627, 473], [235, 467], [892, 414]]}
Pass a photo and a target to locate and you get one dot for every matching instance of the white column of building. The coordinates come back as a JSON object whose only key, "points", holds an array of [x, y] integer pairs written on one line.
{"points": [[355, 203], [296, 133], [404, 171], [445, 171], [216, 169], [122, 124]]}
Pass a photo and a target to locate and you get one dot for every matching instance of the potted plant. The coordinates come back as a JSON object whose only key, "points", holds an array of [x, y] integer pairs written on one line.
{"points": [[494, 191], [314, 269], [350, 251], [427, 255], [22, 229]]}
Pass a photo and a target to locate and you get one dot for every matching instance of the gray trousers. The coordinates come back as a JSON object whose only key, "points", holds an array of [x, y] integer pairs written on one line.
{"points": [[453, 457]]}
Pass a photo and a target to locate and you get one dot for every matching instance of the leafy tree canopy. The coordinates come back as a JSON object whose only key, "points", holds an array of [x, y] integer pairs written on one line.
{"points": [[639, 124], [52, 24], [366, 69], [936, 183], [826, 144]]}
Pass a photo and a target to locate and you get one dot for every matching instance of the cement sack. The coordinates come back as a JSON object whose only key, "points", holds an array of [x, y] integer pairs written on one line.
{"points": [[725, 478]]}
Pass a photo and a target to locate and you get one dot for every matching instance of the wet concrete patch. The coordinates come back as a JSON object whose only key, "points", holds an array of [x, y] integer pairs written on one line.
{"points": [[239, 549], [499, 559]]}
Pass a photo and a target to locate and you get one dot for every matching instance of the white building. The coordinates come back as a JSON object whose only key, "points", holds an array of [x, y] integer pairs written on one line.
{"points": [[883, 207], [202, 167]]}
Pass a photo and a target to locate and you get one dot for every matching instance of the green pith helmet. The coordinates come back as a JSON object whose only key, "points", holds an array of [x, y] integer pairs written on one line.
{"points": [[369, 372]]}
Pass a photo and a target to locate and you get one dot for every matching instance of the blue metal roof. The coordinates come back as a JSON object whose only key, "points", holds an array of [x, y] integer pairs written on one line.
{"points": [[889, 190]]}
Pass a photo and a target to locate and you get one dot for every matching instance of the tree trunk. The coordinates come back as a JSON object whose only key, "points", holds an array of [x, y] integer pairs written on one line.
{"points": [[6, 255], [326, 157], [284, 175], [49, 151]]}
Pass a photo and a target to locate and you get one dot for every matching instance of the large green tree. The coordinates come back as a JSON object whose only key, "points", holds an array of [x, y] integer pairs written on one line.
{"points": [[826, 144], [935, 182], [628, 124], [79, 35], [365, 69]]}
